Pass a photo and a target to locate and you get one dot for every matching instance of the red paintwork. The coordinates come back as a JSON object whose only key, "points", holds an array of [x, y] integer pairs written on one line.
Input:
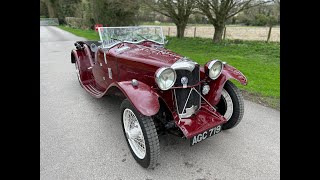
{"points": [[216, 86], [141, 96], [204, 119], [140, 62]]}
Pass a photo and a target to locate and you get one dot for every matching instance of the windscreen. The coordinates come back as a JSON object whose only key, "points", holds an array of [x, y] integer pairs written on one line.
{"points": [[111, 36]]}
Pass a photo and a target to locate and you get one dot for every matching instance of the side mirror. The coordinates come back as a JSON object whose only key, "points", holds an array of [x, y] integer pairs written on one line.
{"points": [[94, 47]]}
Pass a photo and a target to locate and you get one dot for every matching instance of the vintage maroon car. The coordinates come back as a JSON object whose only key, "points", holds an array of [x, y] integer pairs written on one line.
{"points": [[162, 91]]}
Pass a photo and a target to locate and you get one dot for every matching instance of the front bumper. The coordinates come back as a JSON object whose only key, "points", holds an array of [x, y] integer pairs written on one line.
{"points": [[204, 119]]}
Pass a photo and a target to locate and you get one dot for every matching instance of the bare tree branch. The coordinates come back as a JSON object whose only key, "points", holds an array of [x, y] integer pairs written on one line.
{"points": [[218, 11], [178, 10], [247, 6]]}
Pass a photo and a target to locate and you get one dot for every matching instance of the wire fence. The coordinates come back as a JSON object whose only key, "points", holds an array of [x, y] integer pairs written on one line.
{"points": [[49, 22], [231, 32]]}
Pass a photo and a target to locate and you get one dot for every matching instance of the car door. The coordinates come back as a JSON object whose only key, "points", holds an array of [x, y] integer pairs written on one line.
{"points": [[97, 70], [106, 67]]}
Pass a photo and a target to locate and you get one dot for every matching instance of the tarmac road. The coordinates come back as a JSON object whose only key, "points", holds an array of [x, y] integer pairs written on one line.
{"points": [[81, 137]]}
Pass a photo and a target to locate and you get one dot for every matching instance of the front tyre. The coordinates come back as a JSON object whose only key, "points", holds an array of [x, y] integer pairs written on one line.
{"points": [[231, 105], [141, 135]]}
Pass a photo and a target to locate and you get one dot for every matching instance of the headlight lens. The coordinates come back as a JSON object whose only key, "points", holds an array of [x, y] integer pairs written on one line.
{"points": [[215, 68], [165, 77]]}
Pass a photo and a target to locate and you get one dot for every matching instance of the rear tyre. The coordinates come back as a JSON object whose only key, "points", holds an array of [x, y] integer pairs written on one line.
{"points": [[231, 105], [141, 135]]}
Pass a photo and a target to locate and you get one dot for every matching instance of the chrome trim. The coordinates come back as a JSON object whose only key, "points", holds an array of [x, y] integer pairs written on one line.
{"points": [[189, 112], [229, 104], [158, 73], [134, 82], [124, 27], [185, 104], [204, 99], [122, 49], [110, 73], [105, 57], [205, 89], [174, 92], [93, 47], [184, 81], [210, 66], [184, 64], [134, 133]]}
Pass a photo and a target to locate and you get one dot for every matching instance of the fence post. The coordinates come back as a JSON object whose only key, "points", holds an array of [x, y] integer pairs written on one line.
{"points": [[224, 33], [195, 31], [169, 31], [269, 33]]}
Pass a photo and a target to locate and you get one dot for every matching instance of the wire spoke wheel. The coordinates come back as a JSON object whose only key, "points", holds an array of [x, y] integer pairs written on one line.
{"points": [[134, 133], [141, 135], [228, 104]]}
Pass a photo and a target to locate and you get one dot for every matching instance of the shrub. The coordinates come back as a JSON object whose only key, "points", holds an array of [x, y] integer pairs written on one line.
{"points": [[75, 22], [260, 20]]}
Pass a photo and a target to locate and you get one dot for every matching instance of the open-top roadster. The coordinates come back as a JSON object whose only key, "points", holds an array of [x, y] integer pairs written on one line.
{"points": [[163, 92]]}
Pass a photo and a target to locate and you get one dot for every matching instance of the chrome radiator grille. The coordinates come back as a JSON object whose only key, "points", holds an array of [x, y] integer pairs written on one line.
{"points": [[182, 93]]}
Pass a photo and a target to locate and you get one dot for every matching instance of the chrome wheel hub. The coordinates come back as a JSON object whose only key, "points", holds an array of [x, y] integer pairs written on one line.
{"points": [[228, 103], [134, 133]]}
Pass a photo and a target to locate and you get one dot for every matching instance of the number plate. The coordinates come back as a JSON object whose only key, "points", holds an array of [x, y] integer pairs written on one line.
{"points": [[204, 135]]}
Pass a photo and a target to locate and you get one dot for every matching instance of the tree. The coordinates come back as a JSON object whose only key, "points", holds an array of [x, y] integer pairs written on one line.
{"points": [[273, 15], [43, 9], [219, 11], [52, 7], [178, 11], [61, 8], [114, 12], [260, 15]]}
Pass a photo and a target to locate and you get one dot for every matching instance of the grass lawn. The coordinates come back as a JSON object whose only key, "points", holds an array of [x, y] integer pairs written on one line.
{"points": [[88, 34], [258, 61]]}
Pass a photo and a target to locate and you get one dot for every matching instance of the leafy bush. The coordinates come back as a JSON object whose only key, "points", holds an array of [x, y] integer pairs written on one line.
{"points": [[260, 20], [75, 22]]}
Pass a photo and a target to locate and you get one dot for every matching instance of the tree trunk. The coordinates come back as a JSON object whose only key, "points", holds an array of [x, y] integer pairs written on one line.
{"points": [[269, 33], [51, 9], [180, 30], [218, 32]]}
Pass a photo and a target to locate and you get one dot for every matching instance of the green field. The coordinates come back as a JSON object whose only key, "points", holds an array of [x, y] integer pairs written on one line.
{"points": [[88, 34], [259, 61]]}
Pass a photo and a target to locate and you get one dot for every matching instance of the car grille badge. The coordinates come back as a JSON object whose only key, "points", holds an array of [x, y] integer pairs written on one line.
{"points": [[184, 82]]}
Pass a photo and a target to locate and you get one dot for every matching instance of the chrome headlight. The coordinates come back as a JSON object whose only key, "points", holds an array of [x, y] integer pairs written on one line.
{"points": [[215, 68], [165, 77]]}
